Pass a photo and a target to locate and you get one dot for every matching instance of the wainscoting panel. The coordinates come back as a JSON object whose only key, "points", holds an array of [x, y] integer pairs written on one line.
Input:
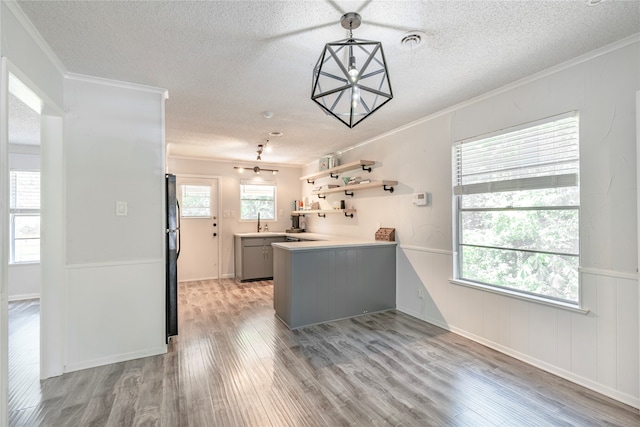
{"points": [[599, 349], [115, 312]]}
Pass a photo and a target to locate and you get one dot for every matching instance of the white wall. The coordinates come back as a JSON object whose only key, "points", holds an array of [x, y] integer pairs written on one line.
{"points": [[600, 349], [114, 151], [24, 279], [26, 57], [288, 182]]}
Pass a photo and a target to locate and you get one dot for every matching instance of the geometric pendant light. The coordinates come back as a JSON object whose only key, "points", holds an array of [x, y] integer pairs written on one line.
{"points": [[350, 79]]}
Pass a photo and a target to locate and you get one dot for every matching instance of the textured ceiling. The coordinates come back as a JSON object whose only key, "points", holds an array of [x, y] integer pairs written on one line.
{"points": [[24, 123], [226, 62]]}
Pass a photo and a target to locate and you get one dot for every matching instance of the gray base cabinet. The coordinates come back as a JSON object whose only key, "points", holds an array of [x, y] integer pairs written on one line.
{"points": [[316, 286], [254, 257]]}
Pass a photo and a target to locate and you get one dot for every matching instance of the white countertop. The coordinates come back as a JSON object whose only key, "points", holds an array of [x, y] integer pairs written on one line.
{"points": [[304, 235], [318, 241], [328, 244]]}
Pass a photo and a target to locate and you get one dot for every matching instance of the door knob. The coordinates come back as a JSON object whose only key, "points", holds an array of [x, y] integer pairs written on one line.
{"points": [[215, 234], [215, 225]]}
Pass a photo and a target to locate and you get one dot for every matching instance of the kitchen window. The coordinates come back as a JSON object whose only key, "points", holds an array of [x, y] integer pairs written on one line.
{"points": [[24, 216], [257, 197], [517, 206], [196, 201]]}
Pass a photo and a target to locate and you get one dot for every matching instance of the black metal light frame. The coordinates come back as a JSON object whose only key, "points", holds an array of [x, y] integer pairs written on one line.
{"points": [[336, 87]]}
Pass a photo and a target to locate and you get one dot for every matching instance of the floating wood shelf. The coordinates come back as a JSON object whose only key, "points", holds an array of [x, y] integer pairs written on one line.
{"points": [[333, 172], [349, 189], [322, 212]]}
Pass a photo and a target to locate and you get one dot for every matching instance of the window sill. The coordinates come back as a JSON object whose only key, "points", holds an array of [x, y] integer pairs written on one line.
{"points": [[529, 298], [25, 263]]}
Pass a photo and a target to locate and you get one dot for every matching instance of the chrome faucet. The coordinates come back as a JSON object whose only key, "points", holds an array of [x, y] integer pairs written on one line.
{"points": [[258, 222]]}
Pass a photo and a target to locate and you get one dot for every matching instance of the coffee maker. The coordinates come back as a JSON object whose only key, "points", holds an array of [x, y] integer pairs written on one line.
{"points": [[295, 220]]}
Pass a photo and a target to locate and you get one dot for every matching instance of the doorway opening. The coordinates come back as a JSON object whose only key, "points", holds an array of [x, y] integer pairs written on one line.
{"points": [[24, 264]]}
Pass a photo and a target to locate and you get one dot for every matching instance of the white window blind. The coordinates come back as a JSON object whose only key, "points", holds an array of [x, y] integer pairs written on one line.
{"points": [[24, 191], [544, 155], [196, 201], [24, 216]]}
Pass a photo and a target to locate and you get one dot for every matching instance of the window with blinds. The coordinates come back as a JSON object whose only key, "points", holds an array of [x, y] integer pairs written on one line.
{"points": [[196, 201], [257, 197], [517, 199], [24, 216]]}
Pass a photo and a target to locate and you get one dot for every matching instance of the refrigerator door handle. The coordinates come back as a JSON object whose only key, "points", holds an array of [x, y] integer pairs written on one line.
{"points": [[178, 230]]}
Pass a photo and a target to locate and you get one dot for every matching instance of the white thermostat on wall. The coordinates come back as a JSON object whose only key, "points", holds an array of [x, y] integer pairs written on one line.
{"points": [[421, 199]]}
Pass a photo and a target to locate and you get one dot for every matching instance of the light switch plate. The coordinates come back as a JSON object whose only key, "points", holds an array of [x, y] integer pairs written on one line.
{"points": [[121, 208]]}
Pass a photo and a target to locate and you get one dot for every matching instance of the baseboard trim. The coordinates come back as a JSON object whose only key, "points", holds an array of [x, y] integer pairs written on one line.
{"points": [[197, 280], [569, 376], [22, 297], [116, 358], [114, 264]]}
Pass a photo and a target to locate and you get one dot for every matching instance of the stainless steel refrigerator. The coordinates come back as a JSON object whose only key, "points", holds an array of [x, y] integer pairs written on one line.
{"points": [[173, 252]]}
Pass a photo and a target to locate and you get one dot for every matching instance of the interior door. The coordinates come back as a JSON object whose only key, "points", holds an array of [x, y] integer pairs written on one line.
{"points": [[199, 228]]}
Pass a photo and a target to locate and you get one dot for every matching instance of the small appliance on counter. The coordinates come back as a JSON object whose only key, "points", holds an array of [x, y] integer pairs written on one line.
{"points": [[296, 220]]}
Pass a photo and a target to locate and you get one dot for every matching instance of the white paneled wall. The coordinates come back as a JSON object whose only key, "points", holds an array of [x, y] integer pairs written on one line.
{"points": [[115, 288], [115, 312], [599, 349]]}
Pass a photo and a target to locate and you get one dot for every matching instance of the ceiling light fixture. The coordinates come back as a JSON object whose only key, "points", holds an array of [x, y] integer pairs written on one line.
{"points": [[350, 79], [256, 169]]}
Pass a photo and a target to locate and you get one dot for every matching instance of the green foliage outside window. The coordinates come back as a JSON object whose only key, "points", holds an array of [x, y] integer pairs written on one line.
{"points": [[258, 198]]}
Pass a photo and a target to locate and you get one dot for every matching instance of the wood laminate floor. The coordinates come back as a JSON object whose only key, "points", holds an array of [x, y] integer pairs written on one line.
{"points": [[235, 364]]}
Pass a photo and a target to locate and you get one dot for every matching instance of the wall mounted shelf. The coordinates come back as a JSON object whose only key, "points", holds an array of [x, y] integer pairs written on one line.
{"points": [[323, 212], [349, 189], [333, 172]]}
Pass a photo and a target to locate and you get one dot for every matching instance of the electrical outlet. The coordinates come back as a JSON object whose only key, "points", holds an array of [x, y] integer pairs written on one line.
{"points": [[420, 294], [226, 213]]}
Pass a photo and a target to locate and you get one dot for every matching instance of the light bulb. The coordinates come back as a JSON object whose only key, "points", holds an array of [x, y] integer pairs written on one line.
{"points": [[353, 77], [355, 97], [353, 74], [241, 170]]}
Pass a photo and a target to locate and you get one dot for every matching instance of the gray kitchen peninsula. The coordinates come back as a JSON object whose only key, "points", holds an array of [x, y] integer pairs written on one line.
{"points": [[321, 281]]}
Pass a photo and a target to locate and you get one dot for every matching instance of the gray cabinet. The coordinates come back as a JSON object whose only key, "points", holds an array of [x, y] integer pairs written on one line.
{"points": [[254, 257], [320, 285]]}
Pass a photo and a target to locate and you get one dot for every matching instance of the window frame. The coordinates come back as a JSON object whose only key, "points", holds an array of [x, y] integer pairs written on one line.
{"points": [[22, 212], [273, 184], [545, 182]]}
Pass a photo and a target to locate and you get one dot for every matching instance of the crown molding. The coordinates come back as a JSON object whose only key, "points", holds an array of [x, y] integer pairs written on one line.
{"points": [[243, 163], [526, 80], [117, 83], [28, 26]]}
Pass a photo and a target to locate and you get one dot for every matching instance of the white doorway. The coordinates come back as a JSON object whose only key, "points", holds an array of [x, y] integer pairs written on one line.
{"points": [[199, 257], [15, 83], [24, 268]]}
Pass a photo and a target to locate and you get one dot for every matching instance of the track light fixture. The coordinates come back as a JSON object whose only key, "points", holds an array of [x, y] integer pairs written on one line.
{"points": [[256, 169]]}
